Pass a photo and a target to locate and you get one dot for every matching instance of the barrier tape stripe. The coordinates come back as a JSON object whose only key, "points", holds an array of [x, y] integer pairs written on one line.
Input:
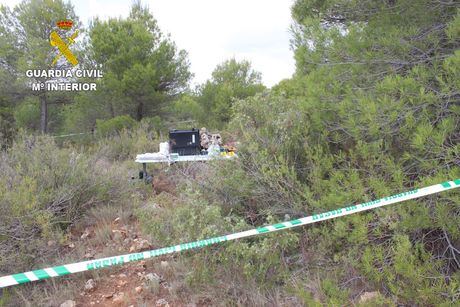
{"points": [[72, 268], [72, 134]]}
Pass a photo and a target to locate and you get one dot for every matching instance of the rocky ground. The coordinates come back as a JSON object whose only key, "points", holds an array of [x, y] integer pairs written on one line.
{"points": [[134, 284]]}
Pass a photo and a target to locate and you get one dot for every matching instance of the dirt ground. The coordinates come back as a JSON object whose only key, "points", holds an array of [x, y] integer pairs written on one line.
{"points": [[134, 284]]}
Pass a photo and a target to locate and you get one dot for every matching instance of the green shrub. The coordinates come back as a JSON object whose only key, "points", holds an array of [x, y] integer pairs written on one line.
{"points": [[114, 125], [127, 143], [27, 115], [301, 155], [257, 262], [7, 127], [170, 221], [154, 123], [44, 190]]}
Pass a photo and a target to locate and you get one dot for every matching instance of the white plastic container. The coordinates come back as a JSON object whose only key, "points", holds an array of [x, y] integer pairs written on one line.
{"points": [[164, 148], [213, 150]]}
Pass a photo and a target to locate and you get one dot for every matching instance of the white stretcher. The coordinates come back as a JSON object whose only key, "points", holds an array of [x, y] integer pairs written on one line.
{"points": [[171, 158], [163, 156]]}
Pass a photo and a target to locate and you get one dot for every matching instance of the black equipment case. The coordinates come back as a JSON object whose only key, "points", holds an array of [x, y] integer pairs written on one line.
{"points": [[185, 142]]}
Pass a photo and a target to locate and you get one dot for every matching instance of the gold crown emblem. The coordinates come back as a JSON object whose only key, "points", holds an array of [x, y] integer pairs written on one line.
{"points": [[64, 24]]}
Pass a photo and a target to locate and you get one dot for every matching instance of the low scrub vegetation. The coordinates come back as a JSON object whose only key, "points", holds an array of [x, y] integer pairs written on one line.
{"points": [[44, 190], [373, 109]]}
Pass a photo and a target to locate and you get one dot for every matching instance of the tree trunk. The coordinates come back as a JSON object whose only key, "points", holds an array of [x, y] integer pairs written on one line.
{"points": [[43, 114], [112, 110], [140, 111]]}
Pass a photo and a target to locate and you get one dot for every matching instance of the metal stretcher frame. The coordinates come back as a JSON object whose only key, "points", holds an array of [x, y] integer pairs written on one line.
{"points": [[155, 158]]}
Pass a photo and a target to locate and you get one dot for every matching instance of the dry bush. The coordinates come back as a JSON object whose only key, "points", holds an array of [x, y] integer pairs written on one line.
{"points": [[44, 190]]}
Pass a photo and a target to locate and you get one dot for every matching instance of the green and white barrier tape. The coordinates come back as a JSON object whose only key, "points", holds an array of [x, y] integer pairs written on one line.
{"points": [[66, 269]]}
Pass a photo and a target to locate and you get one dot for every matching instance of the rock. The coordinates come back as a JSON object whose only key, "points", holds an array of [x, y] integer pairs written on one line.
{"points": [[90, 285], [122, 275], [162, 302], [153, 280], [85, 234], [152, 277], [68, 303], [119, 297], [164, 264], [108, 295], [139, 245], [138, 289], [366, 296], [51, 243], [143, 244]]}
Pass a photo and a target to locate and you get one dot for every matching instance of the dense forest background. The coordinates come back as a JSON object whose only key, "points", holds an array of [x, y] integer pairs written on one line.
{"points": [[372, 109], [145, 78]]}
